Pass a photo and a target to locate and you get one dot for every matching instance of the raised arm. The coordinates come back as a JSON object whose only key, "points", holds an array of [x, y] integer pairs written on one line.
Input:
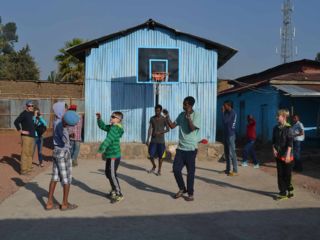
{"points": [[171, 124], [101, 124]]}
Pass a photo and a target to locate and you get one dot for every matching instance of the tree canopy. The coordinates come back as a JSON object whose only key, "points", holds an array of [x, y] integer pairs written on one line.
{"points": [[70, 69], [15, 65], [318, 57]]}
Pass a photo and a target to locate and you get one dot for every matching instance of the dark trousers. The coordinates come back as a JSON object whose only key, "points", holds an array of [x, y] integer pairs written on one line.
{"points": [[38, 145], [188, 159], [249, 150], [296, 155], [112, 165], [284, 177]]}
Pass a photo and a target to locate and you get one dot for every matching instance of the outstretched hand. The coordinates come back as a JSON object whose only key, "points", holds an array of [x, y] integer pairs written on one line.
{"points": [[98, 115]]}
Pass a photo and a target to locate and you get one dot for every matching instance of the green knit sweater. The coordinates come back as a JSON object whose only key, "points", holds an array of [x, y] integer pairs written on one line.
{"points": [[110, 147]]}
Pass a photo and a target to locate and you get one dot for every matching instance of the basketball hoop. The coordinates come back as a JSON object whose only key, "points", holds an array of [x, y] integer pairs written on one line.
{"points": [[159, 76]]}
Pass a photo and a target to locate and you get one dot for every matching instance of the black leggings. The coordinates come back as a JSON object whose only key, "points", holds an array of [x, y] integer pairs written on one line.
{"points": [[112, 165], [284, 176]]}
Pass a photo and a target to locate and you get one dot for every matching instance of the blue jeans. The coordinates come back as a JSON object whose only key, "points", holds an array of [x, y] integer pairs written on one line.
{"points": [[75, 149], [38, 144], [249, 150], [230, 153], [188, 159], [296, 155]]}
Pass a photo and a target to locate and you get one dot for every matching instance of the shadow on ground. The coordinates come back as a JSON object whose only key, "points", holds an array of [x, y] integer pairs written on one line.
{"points": [[40, 193], [268, 224]]}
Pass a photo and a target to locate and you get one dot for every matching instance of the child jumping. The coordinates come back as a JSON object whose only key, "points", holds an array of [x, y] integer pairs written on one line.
{"points": [[110, 149], [282, 142]]}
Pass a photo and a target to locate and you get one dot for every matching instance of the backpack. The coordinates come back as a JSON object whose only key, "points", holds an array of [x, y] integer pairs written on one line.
{"points": [[40, 129]]}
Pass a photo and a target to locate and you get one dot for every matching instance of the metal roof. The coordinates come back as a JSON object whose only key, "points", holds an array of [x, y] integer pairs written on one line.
{"points": [[300, 90], [224, 52]]}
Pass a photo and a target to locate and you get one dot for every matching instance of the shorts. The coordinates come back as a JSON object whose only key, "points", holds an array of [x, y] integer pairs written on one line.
{"points": [[62, 166], [157, 150]]}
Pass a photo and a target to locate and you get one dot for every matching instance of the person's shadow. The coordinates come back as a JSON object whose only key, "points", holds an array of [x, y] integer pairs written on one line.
{"points": [[88, 189], [34, 187], [138, 184], [132, 167], [144, 186], [228, 185], [13, 161]]}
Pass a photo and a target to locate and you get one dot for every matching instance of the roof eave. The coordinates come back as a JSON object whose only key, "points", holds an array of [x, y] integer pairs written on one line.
{"points": [[79, 51]]}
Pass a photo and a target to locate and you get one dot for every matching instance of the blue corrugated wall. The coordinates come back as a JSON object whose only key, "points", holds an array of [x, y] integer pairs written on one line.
{"points": [[262, 103], [110, 84]]}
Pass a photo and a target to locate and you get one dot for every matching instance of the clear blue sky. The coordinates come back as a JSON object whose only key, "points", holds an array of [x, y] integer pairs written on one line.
{"points": [[250, 26]]}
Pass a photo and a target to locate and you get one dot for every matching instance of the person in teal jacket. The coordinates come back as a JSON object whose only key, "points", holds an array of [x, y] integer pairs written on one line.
{"points": [[40, 128], [110, 151]]}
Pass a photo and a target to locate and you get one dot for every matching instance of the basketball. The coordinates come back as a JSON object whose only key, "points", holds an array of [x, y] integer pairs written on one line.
{"points": [[71, 118]]}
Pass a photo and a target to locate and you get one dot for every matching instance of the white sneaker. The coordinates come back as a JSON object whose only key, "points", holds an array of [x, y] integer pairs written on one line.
{"points": [[256, 166], [244, 164]]}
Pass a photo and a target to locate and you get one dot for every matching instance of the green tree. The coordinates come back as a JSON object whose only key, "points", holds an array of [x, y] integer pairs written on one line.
{"points": [[19, 66], [15, 65], [318, 57], [70, 68], [8, 37]]}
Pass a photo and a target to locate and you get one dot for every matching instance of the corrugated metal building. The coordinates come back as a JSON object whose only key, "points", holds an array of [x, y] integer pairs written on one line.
{"points": [[111, 79], [294, 86]]}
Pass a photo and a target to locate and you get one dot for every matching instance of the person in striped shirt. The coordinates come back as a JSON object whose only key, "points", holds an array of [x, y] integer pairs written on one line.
{"points": [[111, 152]]}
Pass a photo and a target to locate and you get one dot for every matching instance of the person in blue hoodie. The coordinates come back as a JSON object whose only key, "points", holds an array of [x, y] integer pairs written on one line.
{"points": [[229, 118], [62, 162]]}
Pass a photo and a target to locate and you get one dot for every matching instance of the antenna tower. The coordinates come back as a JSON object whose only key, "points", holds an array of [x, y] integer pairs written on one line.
{"points": [[287, 32]]}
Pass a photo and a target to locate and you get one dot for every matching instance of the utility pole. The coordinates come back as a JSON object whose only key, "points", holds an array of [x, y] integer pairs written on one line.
{"points": [[287, 32]]}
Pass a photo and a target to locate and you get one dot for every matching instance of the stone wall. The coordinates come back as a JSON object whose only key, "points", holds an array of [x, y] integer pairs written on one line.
{"points": [[206, 152], [40, 89]]}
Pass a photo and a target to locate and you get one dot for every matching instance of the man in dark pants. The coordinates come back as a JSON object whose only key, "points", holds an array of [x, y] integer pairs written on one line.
{"points": [[298, 134], [229, 118], [24, 124], [189, 125]]}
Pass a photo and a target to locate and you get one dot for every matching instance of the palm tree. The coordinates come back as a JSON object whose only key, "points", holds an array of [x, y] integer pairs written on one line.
{"points": [[318, 57], [70, 69], [53, 77]]}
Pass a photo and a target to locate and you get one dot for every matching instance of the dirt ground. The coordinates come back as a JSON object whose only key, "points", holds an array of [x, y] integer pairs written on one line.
{"points": [[10, 148], [10, 151]]}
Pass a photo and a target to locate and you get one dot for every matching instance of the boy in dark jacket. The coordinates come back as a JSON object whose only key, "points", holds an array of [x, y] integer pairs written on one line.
{"points": [[282, 142], [110, 148]]}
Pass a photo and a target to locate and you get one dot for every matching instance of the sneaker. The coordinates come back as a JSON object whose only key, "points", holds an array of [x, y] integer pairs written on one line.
{"points": [[244, 164], [224, 172], [256, 166], [117, 198], [290, 194], [180, 194], [281, 197], [189, 198], [152, 170], [233, 174], [111, 194]]}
